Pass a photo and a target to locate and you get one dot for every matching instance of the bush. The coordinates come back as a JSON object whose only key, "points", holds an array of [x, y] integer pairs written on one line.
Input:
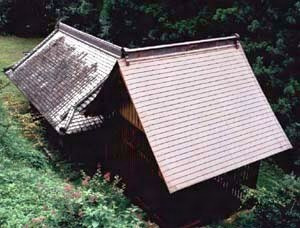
{"points": [[28, 187], [274, 204], [97, 203], [33, 191], [279, 207], [32, 194]]}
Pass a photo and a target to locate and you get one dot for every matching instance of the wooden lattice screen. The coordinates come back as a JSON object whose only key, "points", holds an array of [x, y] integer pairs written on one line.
{"points": [[233, 181]]}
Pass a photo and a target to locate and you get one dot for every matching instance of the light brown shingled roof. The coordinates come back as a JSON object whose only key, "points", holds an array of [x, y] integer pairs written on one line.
{"points": [[64, 74], [200, 105], [202, 109]]}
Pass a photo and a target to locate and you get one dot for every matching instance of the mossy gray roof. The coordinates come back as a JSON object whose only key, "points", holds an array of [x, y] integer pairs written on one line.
{"points": [[63, 74]]}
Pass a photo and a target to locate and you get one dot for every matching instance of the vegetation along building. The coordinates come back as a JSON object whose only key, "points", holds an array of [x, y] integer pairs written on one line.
{"points": [[183, 124]]}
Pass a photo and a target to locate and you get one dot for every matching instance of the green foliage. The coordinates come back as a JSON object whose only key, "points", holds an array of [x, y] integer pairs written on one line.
{"points": [[275, 202], [269, 175], [32, 190], [97, 203], [269, 33], [24, 192], [33, 194], [5, 12], [279, 207], [244, 219], [38, 17], [82, 14]]}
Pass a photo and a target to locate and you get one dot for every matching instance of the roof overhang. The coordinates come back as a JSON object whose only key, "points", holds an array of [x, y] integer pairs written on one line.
{"points": [[63, 75], [199, 103], [202, 109]]}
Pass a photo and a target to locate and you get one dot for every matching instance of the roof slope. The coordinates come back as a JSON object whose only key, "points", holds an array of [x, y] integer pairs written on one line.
{"points": [[202, 109], [64, 74]]}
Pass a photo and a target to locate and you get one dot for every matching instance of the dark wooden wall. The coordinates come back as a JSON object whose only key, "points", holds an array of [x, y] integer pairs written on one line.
{"points": [[122, 148], [128, 112], [129, 155]]}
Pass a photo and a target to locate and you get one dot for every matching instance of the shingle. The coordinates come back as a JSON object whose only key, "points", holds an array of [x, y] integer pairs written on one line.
{"points": [[80, 123], [202, 110], [67, 70]]}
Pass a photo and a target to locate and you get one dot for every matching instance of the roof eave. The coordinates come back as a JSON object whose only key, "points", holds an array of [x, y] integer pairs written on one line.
{"points": [[114, 50]]}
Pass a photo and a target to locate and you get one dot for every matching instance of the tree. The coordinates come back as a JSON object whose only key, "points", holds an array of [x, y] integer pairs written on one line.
{"points": [[269, 33]]}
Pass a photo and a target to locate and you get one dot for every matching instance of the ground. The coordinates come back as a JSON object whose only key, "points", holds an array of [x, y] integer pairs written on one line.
{"points": [[12, 49], [34, 191], [31, 187]]}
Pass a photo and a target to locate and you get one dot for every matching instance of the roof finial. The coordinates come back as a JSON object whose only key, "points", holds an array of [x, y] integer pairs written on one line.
{"points": [[236, 40], [237, 35], [125, 55], [59, 21]]}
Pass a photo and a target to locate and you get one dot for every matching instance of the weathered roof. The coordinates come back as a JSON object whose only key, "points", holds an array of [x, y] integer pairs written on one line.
{"points": [[63, 74], [202, 109]]}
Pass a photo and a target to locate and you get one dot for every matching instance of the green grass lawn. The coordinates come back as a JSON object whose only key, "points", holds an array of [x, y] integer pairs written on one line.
{"points": [[12, 49], [32, 192]]}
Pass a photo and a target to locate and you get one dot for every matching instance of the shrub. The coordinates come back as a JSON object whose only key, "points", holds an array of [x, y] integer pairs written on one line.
{"points": [[33, 191], [278, 207], [96, 203], [32, 194]]}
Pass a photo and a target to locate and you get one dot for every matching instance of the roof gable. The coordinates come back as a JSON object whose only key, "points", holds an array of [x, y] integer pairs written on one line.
{"points": [[64, 74], [199, 103], [202, 109]]}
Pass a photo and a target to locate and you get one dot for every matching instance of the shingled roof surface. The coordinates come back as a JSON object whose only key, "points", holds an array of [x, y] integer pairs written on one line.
{"points": [[63, 75], [202, 109], [199, 103]]}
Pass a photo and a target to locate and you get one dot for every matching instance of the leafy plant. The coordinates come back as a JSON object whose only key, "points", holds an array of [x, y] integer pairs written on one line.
{"points": [[97, 203], [279, 207], [33, 190]]}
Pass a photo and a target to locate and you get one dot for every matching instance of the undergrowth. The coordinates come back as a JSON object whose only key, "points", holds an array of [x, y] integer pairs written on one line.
{"points": [[274, 204], [33, 192]]}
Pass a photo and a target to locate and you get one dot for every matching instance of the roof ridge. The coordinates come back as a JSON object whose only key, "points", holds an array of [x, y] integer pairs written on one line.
{"points": [[179, 46], [82, 36]]}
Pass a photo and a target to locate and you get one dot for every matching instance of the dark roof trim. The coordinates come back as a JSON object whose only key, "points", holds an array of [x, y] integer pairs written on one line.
{"points": [[178, 47], [106, 46]]}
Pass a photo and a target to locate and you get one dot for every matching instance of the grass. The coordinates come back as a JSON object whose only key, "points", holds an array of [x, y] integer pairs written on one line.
{"points": [[25, 193], [269, 176], [33, 193], [12, 49]]}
